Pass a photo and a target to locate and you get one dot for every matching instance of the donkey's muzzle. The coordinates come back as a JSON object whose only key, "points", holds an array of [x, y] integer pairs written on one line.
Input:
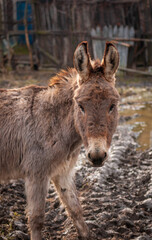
{"points": [[97, 159]]}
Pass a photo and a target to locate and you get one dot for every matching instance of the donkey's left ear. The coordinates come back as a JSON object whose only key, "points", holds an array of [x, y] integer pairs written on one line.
{"points": [[81, 61], [110, 61]]}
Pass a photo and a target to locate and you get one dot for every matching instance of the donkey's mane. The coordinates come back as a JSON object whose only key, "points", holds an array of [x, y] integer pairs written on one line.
{"points": [[63, 77], [69, 75], [96, 66]]}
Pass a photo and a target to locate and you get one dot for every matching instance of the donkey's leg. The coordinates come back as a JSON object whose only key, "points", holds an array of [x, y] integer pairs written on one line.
{"points": [[67, 191], [36, 191]]}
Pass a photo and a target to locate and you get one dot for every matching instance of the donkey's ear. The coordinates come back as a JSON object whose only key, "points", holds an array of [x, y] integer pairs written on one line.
{"points": [[110, 61], [81, 61]]}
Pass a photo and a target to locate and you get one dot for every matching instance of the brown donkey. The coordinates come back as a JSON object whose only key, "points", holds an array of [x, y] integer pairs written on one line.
{"points": [[43, 128]]}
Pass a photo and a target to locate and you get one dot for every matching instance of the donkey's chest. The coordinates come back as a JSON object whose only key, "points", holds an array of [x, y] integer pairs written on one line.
{"points": [[66, 164], [63, 153], [62, 140], [63, 147]]}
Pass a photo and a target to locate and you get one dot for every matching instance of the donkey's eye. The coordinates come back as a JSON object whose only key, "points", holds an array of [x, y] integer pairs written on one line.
{"points": [[82, 108], [111, 107]]}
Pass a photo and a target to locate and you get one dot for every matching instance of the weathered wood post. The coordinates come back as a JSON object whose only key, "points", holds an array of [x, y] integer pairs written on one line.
{"points": [[27, 36]]}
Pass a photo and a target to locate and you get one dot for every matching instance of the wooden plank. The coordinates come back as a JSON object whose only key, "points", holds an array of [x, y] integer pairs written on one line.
{"points": [[92, 2], [121, 49], [52, 58], [122, 44], [123, 39], [126, 35], [131, 34], [97, 44], [47, 16], [66, 33], [130, 70], [125, 1], [47, 32], [65, 50], [27, 36]]}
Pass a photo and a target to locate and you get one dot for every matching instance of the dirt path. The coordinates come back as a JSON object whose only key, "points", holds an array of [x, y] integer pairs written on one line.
{"points": [[116, 198]]}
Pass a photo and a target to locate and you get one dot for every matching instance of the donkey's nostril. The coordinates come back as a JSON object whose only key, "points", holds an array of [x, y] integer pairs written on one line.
{"points": [[89, 156], [105, 155]]}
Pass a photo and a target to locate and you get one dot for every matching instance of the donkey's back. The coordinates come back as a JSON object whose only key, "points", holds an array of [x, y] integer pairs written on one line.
{"points": [[15, 123]]}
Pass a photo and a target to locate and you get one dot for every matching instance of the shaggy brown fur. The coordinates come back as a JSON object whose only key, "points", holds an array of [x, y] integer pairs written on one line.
{"points": [[42, 129]]}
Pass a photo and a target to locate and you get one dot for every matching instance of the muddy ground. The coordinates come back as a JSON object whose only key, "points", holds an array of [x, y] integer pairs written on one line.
{"points": [[116, 199]]}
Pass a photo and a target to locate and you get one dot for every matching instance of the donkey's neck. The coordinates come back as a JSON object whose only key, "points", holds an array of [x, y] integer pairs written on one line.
{"points": [[60, 96]]}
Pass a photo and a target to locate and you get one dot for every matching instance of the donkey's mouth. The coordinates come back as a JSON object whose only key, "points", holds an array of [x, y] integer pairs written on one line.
{"points": [[97, 162]]}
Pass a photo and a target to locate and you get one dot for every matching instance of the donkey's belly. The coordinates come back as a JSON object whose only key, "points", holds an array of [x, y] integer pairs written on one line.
{"points": [[7, 174], [9, 164]]}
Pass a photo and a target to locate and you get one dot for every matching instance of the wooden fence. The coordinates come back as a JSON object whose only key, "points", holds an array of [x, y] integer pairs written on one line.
{"points": [[58, 26], [109, 33]]}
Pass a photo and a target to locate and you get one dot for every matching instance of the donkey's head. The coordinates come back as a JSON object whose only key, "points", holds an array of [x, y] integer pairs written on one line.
{"points": [[96, 100]]}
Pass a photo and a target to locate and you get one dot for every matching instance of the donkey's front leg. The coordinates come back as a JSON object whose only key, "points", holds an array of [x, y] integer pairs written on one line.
{"points": [[67, 191], [36, 191]]}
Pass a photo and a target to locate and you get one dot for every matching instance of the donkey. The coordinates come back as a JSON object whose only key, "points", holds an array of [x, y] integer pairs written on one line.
{"points": [[42, 130]]}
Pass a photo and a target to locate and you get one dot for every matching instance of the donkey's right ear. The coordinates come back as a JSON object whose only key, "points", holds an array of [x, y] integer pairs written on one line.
{"points": [[81, 61], [110, 61]]}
